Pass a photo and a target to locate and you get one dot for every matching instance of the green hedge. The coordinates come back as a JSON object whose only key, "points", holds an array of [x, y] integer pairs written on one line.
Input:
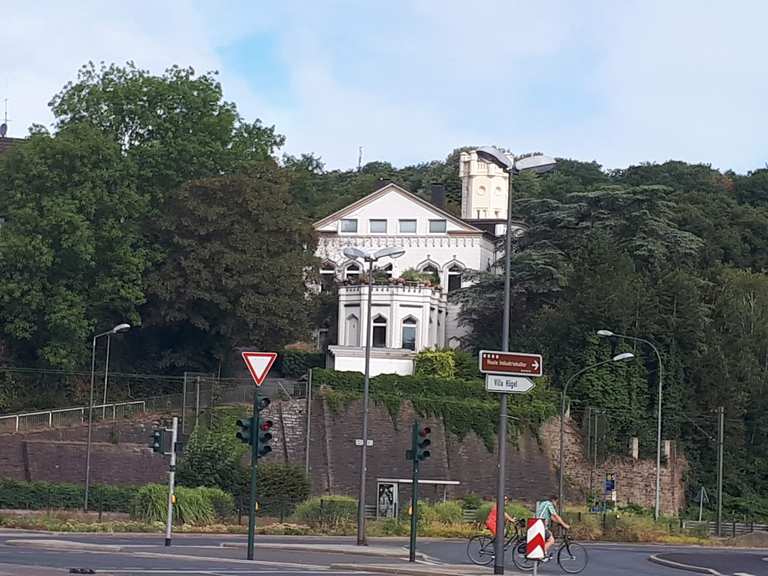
{"points": [[296, 363], [19, 495], [327, 512], [438, 363]]}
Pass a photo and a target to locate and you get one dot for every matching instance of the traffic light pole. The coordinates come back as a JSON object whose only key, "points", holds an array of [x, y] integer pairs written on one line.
{"points": [[414, 492], [171, 481], [254, 460]]}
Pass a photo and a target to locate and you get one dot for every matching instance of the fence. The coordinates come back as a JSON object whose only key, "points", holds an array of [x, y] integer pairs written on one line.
{"points": [[728, 528], [200, 393], [69, 416]]}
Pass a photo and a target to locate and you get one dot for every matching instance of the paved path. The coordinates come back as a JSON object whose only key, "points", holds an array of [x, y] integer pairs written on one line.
{"points": [[192, 555]]}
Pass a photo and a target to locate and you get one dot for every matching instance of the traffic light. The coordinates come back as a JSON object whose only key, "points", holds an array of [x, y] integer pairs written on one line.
{"points": [[423, 443], [245, 434], [263, 427], [157, 440]]}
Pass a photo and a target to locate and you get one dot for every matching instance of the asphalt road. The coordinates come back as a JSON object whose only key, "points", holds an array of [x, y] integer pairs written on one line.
{"points": [[191, 555]]}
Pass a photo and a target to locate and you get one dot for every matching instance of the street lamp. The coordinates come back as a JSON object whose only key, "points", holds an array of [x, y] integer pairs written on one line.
{"points": [[357, 253], [115, 330], [560, 481], [609, 334], [536, 163]]}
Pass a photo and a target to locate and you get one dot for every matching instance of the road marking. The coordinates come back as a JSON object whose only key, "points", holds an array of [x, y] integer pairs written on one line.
{"points": [[742, 574]]}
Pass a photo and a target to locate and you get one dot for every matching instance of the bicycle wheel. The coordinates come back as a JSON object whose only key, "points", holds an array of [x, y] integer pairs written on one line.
{"points": [[518, 556], [480, 550], [572, 557]]}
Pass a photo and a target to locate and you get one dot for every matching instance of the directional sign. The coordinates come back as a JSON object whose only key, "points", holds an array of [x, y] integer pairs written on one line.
{"points": [[508, 384], [510, 363], [258, 364], [534, 549]]}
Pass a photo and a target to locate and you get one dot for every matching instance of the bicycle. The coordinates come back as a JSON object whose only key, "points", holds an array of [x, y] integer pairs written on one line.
{"points": [[571, 556], [481, 548]]}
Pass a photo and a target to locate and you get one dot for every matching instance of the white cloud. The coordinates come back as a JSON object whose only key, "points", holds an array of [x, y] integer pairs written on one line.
{"points": [[617, 82]]}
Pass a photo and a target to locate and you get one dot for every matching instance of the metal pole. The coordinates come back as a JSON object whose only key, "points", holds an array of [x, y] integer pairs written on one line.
{"points": [[498, 563], [106, 379], [657, 510], [254, 460], [184, 404], [561, 464], [309, 422], [701, 502], [362, 540], [197, 400], [90, 422], [171, 480], [720, 442], [414, 493]]}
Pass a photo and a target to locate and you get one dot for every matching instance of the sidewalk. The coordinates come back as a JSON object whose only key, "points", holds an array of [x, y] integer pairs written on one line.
{"points": [[423, 569]]}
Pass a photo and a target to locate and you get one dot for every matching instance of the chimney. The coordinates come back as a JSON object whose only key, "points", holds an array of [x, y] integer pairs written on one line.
{"points": [[438, 195]]}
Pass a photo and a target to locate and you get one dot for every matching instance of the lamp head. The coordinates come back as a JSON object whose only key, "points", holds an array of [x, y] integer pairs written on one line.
{"points": [[392, 252], [121, 328], [496, 156], [354, 253], [604, 333], [623, 356]]}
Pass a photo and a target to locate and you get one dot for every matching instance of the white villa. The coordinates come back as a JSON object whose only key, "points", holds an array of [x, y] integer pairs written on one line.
{"points": [[409, 316]]}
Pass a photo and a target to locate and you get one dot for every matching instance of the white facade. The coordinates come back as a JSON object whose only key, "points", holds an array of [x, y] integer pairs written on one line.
{"points": [[484, 188], [406, 318]]}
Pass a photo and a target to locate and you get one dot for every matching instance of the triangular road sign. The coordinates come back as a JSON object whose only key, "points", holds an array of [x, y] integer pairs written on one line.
{"points": [[258, 364]]}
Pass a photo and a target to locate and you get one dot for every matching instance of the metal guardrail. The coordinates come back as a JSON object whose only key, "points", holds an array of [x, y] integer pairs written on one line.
{"points": [[728, 528], [205, 397], [69, 416]]}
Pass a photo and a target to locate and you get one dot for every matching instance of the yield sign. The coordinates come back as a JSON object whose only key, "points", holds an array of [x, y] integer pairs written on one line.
{"points": [[259, 364]]}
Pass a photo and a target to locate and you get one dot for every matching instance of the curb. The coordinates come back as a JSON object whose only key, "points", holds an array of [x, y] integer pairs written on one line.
{"points": [[680, 566], [414, 570], [394, 553], [65, 545]]}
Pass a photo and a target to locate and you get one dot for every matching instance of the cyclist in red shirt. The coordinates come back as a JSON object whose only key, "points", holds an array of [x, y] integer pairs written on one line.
{"points": [[490, 521]]}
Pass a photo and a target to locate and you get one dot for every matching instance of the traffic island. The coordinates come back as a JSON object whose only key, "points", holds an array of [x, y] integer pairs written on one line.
{"points": [[393, 552]]}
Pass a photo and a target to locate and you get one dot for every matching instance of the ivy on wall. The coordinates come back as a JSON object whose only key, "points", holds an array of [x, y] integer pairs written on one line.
{"points": [[462, 404]]}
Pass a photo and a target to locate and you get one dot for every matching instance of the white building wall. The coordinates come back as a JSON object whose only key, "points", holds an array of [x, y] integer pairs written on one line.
{"points": [[484, 188]]}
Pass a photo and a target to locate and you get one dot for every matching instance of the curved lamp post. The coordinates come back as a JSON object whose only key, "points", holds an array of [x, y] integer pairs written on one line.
{"points": [[115, 330], [355, 254], [609, 334], [561, 486], [537, 164]]}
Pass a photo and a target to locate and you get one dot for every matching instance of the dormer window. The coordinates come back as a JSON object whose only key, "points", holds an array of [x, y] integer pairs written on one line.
{"points": [[407, 226], [349, 226], [437, 226]]}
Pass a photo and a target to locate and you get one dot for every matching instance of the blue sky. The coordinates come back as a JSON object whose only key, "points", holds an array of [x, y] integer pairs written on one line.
{"points": [[409, 80]]}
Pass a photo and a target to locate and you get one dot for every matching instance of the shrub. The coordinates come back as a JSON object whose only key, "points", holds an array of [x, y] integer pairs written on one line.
{"points": [[193, 505], [450, 512], [438, 363], [472, 501], [296, 363], [19, 495], [327, 512], [280, 487], [223, 504]]}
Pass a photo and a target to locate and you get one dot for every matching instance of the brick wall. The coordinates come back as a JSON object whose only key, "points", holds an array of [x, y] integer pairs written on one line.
{"points": [[121, 456]]}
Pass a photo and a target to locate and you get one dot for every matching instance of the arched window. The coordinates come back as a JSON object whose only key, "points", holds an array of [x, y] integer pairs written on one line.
{"points": [[352, 271], [327, 274], [379, 331], [409, 333], [352, 330], [454, 277], [432, 270]]}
